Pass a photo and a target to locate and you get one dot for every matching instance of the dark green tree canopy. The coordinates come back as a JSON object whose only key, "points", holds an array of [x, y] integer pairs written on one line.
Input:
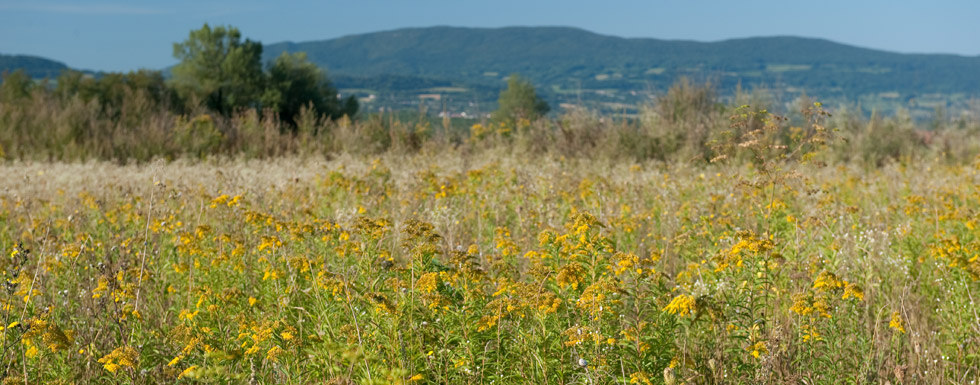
{"points": [[223, 73], [294, 83], [519, 101], [218, 69], [114, 87], [15, 85], [118, 92]]}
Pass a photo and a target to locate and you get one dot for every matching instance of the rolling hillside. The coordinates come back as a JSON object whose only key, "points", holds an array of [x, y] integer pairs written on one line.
{"points": [[567, 57], [36, 67], [462, 69]]}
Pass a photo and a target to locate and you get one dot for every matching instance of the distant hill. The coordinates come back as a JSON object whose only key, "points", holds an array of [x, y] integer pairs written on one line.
{"points": [[568, 60], [462, 69], [36, 67]]}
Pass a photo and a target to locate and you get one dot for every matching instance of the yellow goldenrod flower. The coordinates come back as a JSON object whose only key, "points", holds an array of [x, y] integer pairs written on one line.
{"points": [[273, 354], [897, 323], [681, 305], [123, 357], [189, 372], [175, 360], [852, 290], [758, 349]]}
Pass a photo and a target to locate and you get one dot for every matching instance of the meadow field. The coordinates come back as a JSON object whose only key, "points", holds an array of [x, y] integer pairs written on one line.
{"points": [[499, 268], [694, 243]]}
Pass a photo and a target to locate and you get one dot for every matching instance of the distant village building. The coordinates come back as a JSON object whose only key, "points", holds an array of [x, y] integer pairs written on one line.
{"points": [[460, 115]]}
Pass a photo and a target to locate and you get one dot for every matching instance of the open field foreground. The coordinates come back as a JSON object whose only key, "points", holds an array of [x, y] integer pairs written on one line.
{"points": [[498, 269]]}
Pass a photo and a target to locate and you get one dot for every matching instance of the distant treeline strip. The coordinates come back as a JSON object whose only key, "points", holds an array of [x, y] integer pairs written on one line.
{"points": [[139, 117]]}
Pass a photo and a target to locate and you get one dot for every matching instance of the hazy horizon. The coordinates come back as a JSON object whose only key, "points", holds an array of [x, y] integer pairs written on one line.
{"points": [[122, 36]]}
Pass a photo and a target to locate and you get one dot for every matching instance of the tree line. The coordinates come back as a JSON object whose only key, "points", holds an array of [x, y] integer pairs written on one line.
{"points": [[220, 99], [218, 72]]}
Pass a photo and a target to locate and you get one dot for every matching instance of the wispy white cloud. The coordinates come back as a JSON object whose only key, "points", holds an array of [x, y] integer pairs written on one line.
{"points": [[83, 9]]}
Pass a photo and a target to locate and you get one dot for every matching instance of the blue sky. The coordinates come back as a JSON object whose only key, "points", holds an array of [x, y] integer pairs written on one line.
{"points": [[126, 35]]}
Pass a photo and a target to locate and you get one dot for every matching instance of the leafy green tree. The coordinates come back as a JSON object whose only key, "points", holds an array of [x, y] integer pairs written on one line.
{"points": [[294, 83], [519, 101], [116, 92], [218, 69], [349, 106], [15, 85]]}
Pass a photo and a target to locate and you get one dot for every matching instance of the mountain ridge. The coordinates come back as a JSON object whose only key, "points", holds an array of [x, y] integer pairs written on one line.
{"points": [[569, 65], [582, 30], [400, 43], [34, 66], [566, 63]]}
